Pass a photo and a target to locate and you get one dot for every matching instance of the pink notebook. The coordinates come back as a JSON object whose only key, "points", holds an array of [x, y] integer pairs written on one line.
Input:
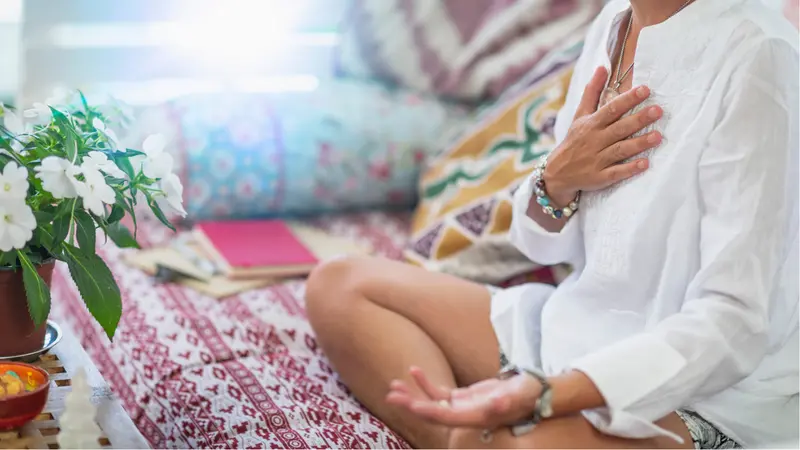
{"points": [[247, 249]]}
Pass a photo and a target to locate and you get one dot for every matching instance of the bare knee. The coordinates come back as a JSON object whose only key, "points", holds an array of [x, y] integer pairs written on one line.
{"points": [[331, 286]]}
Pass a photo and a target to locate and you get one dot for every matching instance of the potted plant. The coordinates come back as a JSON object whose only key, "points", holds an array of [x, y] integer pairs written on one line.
{"points": [[63, 177]]}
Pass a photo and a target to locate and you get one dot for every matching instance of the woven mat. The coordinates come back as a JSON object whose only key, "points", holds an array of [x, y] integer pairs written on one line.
{"points": [[42, 432]]}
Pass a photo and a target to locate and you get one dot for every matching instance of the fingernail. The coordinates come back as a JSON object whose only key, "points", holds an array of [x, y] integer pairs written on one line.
{"points": [[654, 112], [654, 138], [642, 92], [642, 164]]}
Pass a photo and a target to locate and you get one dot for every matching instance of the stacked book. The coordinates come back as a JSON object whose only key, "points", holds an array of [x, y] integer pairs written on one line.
{"points": [[224, 258]]}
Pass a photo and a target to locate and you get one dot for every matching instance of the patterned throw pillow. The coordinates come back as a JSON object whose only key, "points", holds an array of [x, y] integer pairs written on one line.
{"points": [[344, 146], [461, 224], [469, 50]]}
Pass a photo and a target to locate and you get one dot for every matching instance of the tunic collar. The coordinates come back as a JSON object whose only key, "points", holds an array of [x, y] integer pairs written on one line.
{"points": [[657, 42]]}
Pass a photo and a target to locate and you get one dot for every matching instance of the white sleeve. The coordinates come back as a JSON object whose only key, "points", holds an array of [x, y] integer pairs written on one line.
{"points": [[536, 243], [539, 245], [748, 195]]}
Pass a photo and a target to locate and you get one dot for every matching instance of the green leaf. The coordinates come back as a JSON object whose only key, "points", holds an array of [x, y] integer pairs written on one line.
{"points": [[84, 102], [117, 213], [121, 160], [44, 236], [36, 290], [43, 217], [65, 208], [121, 235], [85, 231], [60, 118], [35, 258], [8, 259], [61, 226], [97, 286], [159, 213], [127, 204], [71, 146]]}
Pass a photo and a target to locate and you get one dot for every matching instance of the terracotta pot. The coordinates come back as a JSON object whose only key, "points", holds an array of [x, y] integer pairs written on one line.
{"points": [[18, 335]]}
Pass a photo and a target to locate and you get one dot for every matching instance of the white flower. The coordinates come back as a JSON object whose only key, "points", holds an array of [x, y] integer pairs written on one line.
{"points": [[171, 194], [61, 96], [13, 182], [17, 223], [40, 114], [13, 123], [156, 163], [58, 177], [19, 130], [99, 161], [113, 141], [95, 192]]}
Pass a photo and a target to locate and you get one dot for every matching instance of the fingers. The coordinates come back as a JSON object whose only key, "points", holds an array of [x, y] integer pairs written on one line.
{"points": [[430, 389], [398, 398], [592, 93], [400, 386], [617, 108], [478, 388], [484, 404], [483, 410], [474, 415], [628, 126], [619, 172], [629, 148]]}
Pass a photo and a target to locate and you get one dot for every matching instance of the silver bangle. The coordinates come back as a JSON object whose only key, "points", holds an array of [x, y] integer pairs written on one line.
{"points": [[543, 409]]}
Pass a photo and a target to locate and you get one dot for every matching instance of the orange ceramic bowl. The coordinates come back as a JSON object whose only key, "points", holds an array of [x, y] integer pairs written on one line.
{"points": [[23, 393]]}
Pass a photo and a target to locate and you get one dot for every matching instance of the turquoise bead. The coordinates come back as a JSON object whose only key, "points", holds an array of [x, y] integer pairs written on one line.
{"points": [[543, 201]]}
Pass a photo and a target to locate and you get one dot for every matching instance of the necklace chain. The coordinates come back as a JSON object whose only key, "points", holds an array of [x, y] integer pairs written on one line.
{"points": [[620, 79]]}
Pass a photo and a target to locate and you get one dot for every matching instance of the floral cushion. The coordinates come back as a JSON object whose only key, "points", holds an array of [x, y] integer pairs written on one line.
{"points": [[461, 223], [344, 146]]}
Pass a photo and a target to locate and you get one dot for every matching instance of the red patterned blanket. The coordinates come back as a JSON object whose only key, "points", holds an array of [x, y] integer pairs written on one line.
{"points": [[244, 372], [195, 372]]}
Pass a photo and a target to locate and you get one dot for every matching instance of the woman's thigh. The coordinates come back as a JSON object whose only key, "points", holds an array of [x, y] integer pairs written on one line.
{"points": [[452, 311]]}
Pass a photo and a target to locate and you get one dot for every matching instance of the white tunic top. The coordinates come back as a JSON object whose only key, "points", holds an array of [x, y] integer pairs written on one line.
{"points": [[685, 288]]}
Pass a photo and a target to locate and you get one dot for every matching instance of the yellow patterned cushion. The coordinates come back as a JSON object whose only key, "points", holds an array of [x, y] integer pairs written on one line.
{"points": [[461, 223]]}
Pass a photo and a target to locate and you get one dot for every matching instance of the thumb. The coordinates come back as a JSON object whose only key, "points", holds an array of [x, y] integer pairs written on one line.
{"points": [[592, 93]]}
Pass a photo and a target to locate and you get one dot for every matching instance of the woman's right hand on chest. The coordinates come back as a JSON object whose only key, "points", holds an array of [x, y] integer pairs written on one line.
{"points": [[592, 155]]}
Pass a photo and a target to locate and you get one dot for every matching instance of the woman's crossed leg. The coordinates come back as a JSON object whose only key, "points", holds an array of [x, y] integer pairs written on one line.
{"points": [[376, 318]]}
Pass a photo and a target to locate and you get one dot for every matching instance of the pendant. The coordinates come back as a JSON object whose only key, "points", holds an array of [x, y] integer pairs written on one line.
{"points": [[608, 94]]}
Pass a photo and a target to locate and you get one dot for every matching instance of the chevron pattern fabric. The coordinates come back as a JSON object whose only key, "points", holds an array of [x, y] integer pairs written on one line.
{"points": [[469, 50], [461, 223]]}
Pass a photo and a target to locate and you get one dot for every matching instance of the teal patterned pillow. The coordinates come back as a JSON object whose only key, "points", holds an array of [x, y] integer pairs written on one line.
{"points": [[344, 146]]}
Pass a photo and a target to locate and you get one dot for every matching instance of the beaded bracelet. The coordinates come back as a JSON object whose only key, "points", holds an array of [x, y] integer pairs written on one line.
{"points": [[543, 199]]}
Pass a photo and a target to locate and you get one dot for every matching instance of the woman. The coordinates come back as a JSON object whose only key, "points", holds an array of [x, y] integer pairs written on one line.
{"points": [[679, 323]]}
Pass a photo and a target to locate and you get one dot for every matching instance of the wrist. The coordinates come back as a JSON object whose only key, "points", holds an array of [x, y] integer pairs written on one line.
{"points": [[532, 391], [573, 392], [560, 194]]}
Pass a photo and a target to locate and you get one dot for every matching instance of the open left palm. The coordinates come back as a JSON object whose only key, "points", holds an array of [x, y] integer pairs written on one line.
{"points": [[487, 404]]}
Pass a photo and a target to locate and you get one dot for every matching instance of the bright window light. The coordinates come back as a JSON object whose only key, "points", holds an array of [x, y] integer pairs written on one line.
{"points": [[233, 34], [153, 34], [10, 11], [156, 91]]}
